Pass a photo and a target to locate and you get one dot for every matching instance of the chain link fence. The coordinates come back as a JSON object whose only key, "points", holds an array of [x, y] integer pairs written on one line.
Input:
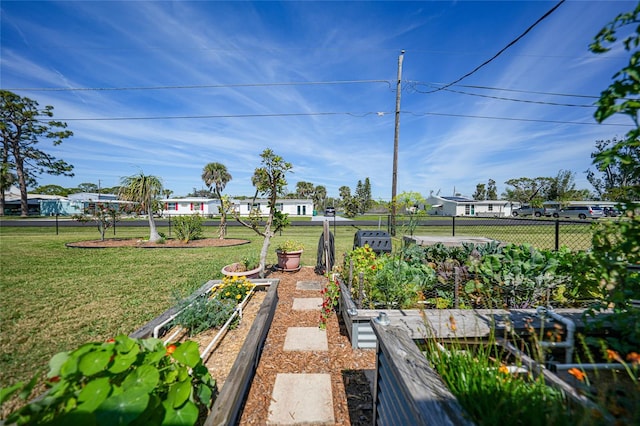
{"points": [[543, 233]]}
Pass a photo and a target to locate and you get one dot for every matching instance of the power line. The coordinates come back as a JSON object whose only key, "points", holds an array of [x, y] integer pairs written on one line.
{"points": [[353, 114], [531, 91], [511, 43], [534, 120], [201, 86], [502, 98], [191, 117]]}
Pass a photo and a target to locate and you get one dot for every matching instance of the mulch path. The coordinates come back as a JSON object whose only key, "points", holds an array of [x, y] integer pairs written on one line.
{"points": [[169, 243], [352, 400]]}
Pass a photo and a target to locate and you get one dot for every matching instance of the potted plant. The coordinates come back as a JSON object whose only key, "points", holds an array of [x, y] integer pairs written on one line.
{"points": [[289, 253], [248, 267]]}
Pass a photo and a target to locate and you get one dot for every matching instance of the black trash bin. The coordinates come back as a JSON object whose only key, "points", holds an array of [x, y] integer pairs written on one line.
{"points": [[379, 241]]}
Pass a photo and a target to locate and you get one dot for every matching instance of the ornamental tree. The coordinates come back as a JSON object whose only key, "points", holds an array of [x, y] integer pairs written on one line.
{"points": [[270, 181], [104, 215]]}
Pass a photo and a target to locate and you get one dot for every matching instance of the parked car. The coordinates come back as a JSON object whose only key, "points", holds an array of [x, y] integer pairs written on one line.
{"points": [[526, 210], [611, 211], [582, 212]]}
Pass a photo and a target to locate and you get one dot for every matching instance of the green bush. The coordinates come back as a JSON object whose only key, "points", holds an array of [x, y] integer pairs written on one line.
{"points": [[188, 227]]}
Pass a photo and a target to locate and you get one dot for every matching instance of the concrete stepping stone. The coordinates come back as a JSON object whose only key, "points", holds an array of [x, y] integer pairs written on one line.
{"points": [[306, 303], [306, 339], [301, 399], [309, 285]]}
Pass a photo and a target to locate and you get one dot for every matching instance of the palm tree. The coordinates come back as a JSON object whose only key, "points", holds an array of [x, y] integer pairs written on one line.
{"points": [[144, 190], [216, 177]]}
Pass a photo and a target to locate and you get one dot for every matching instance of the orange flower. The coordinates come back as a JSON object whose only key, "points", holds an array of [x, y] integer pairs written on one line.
{"points": [[578, 374], [613, 356], [503, 369], [452, 323], [171, 349], [634, 358]]}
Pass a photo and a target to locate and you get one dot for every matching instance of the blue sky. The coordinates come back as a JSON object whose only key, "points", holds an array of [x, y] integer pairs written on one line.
{"points": [[225, 80]]}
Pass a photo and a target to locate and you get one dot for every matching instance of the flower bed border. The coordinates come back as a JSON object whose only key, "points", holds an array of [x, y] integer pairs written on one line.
{"points": [[227, 407]]}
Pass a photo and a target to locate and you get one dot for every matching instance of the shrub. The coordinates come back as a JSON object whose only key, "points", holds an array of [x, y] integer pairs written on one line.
{"points": [[188, 227]]}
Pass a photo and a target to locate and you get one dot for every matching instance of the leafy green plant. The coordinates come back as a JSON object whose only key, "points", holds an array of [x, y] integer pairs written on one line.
{"points": [[399, 284], [250, 262], [519, 277], [364, 261], [188, 227], [608, 270], [121, 381], [205, 313], [288, 246], [480, 379], [330, 298]]}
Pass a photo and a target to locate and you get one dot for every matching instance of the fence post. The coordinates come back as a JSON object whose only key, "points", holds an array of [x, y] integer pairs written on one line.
{"points": [[360, 290], [557, 234], [453, 225]]}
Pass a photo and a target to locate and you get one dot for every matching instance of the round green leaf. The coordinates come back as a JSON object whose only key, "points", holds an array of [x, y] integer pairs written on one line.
{"points": [[122, 409], [93, 394], [123, 361], [179, 392], [187, 415], [187, 353], [94, 362], [146, 377], [56, 362], [125, 344]]}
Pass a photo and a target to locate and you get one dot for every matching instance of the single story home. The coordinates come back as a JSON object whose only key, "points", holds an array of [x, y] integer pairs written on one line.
{"points": [[206, 207], [292, 207], [463, 206]]}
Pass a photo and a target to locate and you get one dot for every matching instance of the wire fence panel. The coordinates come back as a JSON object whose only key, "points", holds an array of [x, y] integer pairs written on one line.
{"points": [[548, 233]]}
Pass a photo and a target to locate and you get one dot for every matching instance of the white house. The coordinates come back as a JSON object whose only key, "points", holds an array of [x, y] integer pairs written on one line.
{"points": [[463, 206], [293, 207], [206, 207]]}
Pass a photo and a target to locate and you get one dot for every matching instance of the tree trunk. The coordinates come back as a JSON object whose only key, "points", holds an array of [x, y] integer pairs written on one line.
{"points": [[2, 201], [223, 225], [22, 183], [154, 237]]}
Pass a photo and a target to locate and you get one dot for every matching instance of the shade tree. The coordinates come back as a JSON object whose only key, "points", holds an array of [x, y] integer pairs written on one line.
{"points": [[23, 123]]}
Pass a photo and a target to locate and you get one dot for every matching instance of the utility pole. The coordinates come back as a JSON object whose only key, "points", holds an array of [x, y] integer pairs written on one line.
{"points": [[394, 184]]}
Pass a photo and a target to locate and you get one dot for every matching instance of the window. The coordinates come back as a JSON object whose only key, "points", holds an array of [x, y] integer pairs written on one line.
{"points": [[171, 206], [490, 207], [467, 209]]}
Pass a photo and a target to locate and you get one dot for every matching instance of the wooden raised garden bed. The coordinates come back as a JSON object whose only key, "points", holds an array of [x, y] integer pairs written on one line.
{"points": [[228, 404]]}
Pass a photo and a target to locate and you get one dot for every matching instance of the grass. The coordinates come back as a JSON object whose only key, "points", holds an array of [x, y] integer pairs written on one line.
{"points": [[55, 298]]}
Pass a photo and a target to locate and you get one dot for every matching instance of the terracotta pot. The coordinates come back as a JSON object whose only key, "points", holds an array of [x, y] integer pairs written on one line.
{"points": [[230, 271], [290, 260]]}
